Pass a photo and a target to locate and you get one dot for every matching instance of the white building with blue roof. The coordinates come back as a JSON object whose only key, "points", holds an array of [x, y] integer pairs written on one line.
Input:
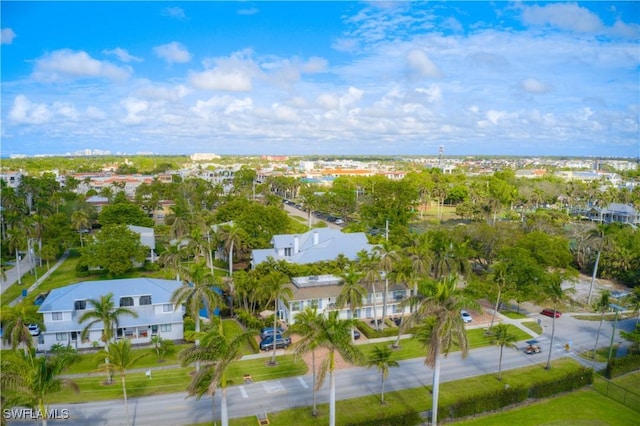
{"points": [[150, 298]]}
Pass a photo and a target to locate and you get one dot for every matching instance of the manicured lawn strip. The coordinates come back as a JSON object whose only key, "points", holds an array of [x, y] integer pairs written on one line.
{"points": [[15, 291], [233, 329], [533, 326], [175, 379], [412, 348], [513, 314], [89, 362], [583, 407], [369, 409], [607, 317]]}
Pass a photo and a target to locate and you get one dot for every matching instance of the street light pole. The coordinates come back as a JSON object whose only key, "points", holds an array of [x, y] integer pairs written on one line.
{"points": [[615, 324]]}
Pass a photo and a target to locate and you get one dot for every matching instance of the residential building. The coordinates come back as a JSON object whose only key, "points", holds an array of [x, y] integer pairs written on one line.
{"points": [[321, 244], [322, 291], [614, 213], [149, 298], [147, 239]]}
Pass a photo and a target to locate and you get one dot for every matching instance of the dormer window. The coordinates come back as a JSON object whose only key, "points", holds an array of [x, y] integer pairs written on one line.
{"points": [[80, 305], [126, 301], [145, 300]]}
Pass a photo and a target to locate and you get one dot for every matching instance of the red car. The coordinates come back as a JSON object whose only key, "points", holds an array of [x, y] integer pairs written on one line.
{"points": [[549, 313]]}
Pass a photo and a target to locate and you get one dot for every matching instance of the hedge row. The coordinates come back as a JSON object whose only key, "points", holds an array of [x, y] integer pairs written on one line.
{"points": [[619, 366], [368, 331], [249, 320], [495, 400], [406, 419]]}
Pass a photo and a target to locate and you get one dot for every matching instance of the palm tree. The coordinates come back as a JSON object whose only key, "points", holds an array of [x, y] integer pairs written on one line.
{"points": [[231, 237], [351, 292], [501, 336], [601, 240], [171, 258], [104, 311], [334, 336], [368, 263], [122, 358], [216, 352], [276, 284], [442, 328], [602, 306], [635, 303], [80, 221], [197, 293], [307, 326], [15, 322], [27, 379], [388, 258], [382, 360], [554, 292]]}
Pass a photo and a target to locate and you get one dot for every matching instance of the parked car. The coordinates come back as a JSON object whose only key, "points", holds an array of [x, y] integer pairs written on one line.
{"points": [[339, 221], [281, 342], [34, 329], [550, 312], [466, 316], [356, 334], [268, 332]]}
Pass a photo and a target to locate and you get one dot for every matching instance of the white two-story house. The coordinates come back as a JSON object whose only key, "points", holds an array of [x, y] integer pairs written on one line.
{"points": [[150, 298], [322, 291]]}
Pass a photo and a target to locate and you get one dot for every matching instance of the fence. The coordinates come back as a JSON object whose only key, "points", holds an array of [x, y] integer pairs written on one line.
{"points": [[617, 393]]}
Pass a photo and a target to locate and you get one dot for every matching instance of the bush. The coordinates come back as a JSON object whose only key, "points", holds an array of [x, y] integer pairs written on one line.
{"points": [[619, 366], [571, 381], [406, 419], [490, 401], [249, 320], [372, 334]]}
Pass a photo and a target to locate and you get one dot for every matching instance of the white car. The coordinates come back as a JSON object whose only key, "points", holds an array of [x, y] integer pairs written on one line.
{"points": [[34, 329], [466, 317], [339, 222]]}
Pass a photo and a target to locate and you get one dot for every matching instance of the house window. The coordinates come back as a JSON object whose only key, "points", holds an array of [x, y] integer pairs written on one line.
{"points": [[154, 329], [287, 251], [79, 305], [313, 303], [295, 306], [165, 327], [145, 300], [126, 301], [398, 294], [167, 307], [61, 337], [56, 316]]}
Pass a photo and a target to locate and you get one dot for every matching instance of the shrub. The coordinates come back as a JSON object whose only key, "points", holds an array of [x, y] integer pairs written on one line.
{"points": [[619, 366], [368, 331], [249, 320], [490, 401], [405, 419], [571, 381]]}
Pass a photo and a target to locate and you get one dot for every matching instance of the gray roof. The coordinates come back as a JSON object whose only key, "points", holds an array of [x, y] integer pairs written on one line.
{"points": [[621, 209], [62, 299], [147, 236], [331, 243]]}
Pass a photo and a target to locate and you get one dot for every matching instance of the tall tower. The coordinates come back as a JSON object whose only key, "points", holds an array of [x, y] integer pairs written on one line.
{"points": [[440, 154]]}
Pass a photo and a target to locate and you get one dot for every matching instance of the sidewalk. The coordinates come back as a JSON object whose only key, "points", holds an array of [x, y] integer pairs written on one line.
{"points": [[42, 278]]}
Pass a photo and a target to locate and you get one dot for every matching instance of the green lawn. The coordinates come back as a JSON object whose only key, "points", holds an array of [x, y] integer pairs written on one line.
{"points": [[369, 410], [629, 381], [533, 326], [175, 379], [513, 314], [583, 407]]}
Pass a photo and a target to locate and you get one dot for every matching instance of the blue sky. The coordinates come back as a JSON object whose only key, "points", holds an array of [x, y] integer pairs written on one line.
{"points": [[492, 78]]}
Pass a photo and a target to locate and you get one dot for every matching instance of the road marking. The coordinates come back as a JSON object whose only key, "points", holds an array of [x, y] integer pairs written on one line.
{"points": [[243, 392], [303, 383], [273, 387]]}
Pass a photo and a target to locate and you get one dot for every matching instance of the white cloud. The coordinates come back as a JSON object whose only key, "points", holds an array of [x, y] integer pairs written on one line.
{"points": [[173, 53], [68, 64], [624, 30], [314, 65], [23, 111], [532, 85], [6, 36], [65, 110], [352, 96], [565, 16], [134, 107], [420, 66], [174, 12], [160, 92], [328, 101], [122, 54], [233, 73], [433, 93], [95, 113]]}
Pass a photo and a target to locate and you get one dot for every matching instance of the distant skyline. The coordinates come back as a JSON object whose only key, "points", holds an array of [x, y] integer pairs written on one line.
{"points": [[304, 78]]}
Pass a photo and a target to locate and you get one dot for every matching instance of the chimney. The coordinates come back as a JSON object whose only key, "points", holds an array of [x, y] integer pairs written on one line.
{"points": [[316, 238], [296, 245]]}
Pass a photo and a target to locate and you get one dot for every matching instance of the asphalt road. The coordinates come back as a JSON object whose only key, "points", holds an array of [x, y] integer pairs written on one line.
{"points": [[277, 395]]}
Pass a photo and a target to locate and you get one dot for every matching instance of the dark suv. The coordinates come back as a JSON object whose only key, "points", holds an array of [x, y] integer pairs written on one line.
{"points": [[281, 342], [268, 332]]}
